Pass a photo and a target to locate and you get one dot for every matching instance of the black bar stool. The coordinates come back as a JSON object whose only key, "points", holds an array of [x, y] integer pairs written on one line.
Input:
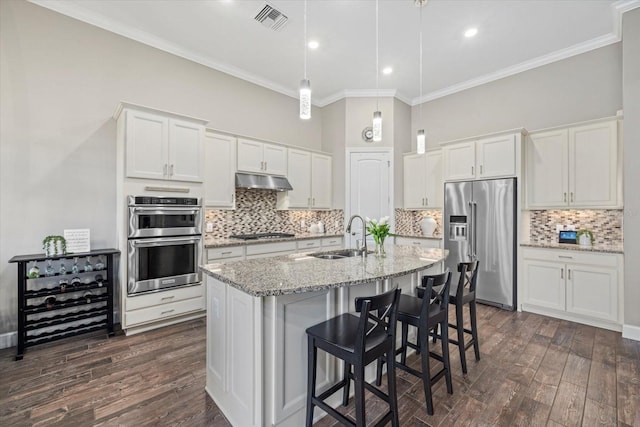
{"points": [[358, 341], [427, 311], [465, 293]]}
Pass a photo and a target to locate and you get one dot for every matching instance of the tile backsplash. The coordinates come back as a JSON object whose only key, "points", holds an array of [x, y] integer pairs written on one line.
{"points": [[256, 212], [606, 225], [408, 221]]}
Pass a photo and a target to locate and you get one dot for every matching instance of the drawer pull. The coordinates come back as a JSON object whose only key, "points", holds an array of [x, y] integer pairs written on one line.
{"points": [[226, 253], [565, 257], [310, 244], [167, 298], [562, 273], [416, 243], [167, 311]]}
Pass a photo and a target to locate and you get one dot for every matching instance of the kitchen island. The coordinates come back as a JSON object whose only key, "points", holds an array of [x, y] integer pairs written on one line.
{"points": [[257, 314]]}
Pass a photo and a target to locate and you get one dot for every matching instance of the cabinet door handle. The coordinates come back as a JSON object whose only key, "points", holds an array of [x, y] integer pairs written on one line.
{"points": [[265, 165], [565, 257], [233, 196], [569, 271], [564, 197], [313, 203], [480, 169], [171, 170], [572, 197], [164, 170], [426, 201], [309, 201], [562, 273], [472, 171]]}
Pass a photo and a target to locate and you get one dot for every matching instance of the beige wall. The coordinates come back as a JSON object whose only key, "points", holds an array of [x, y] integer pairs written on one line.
{"points": [[60, 81], [583, 87], [631, 141], [333, 141], [402, 144], [360, 115]]}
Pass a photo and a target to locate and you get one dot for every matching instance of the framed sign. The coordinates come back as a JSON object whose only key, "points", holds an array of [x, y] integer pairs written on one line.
{"points": [[78, 240]]}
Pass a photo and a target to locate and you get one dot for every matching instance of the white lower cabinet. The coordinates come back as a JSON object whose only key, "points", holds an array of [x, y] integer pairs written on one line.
{"points": [[417, 241], [141, 310], [265, 250], [577, 286]]}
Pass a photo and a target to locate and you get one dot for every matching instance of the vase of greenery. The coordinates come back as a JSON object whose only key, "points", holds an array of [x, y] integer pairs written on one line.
{"points": [[54, 245], [379, 230]]}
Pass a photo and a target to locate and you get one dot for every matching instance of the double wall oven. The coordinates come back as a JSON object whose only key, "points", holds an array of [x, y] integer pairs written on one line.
{"points": [[164, 243]]}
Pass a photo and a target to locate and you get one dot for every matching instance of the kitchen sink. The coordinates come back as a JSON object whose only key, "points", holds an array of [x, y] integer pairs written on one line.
{"points": [[338, 254]]}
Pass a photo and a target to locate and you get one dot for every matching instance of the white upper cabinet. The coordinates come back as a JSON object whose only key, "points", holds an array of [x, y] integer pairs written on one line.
{"points": [[575, 167], [219, 177], [310, 176], [262, 158], [423, 187], [161, 145], [321, 183], [490, 157], [299, 176]]}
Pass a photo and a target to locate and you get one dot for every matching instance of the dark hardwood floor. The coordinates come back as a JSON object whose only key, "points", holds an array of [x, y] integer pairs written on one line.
{"points": [[535, 371]]}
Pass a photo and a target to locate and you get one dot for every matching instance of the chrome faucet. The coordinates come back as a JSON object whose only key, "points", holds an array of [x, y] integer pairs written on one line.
{"points": [[362, 248]]}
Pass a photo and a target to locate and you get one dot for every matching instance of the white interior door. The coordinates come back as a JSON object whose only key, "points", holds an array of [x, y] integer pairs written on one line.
{"points": [[369, 189]]}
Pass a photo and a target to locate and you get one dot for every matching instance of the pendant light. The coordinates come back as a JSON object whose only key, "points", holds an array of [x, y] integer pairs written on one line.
{"points": [[377, 115], [420, 138], [305, 84]]}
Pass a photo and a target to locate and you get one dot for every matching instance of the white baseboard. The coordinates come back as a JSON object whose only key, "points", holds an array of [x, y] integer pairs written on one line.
{"points": [[631, 332], [9, 339]]}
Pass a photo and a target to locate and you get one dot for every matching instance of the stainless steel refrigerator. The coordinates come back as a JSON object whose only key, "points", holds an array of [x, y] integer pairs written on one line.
{"points": [[480, 223]]}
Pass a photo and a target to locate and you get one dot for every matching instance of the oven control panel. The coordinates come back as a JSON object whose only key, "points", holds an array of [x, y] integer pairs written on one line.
{"points": [[148, 200]]}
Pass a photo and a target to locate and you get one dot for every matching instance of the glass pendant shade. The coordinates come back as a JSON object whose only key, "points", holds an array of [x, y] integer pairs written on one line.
{"points": [[377, 126], [421, 142], [305, 99]]}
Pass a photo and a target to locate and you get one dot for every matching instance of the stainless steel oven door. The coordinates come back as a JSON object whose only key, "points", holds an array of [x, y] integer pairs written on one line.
{"points": [[160, 263], [159, 221]]}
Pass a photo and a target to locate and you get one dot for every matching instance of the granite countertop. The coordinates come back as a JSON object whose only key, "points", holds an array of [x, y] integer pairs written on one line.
{"points": [[298, 273], [210, 242], [419, 236], [606, 248]]}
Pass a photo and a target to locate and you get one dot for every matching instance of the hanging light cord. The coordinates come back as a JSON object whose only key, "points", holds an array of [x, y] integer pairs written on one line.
{"points": [[377, 58], [305, 39], [420, 100]]}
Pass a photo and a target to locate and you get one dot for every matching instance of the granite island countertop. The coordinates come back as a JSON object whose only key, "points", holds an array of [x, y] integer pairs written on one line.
{"points": [[298, 273], [605, 248], [211, 242]]}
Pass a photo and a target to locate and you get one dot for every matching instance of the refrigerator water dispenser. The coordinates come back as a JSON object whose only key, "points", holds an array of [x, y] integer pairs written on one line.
{"points": [[458, 227]]}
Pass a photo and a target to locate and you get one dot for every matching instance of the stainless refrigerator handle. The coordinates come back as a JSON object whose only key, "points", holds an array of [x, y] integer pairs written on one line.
{"points": [[475, 226], [471, 231]]}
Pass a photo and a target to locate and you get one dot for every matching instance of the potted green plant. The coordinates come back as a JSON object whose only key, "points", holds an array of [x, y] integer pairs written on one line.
{"points": [[54, 245], [585, 237]]}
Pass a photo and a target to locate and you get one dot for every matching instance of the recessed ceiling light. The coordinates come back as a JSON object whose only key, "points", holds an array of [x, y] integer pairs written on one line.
{"points": [[471, 32], [387, 70], [313, 44]]}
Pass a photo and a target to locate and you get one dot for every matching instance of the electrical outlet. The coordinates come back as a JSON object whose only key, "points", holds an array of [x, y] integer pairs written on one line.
{"points": [[337, 225]]}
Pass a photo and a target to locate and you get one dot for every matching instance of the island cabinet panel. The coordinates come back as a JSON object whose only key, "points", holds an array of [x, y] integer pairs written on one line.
{"points": [[286, 319], [234, 353]]}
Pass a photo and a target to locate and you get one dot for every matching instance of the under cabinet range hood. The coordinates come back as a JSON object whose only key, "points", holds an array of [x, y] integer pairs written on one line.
{"points": [[262, 182]]}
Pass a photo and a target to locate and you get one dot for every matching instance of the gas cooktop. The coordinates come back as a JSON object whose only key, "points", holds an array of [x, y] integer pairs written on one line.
{"points": [[261, 236]]}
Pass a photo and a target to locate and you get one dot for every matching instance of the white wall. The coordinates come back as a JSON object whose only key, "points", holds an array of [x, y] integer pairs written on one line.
{"points": [[60, 82], [631, 141], [583, 87]]}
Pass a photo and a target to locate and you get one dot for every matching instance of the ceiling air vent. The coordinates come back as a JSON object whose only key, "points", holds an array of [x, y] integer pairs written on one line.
{"points": [[271, 17]]}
